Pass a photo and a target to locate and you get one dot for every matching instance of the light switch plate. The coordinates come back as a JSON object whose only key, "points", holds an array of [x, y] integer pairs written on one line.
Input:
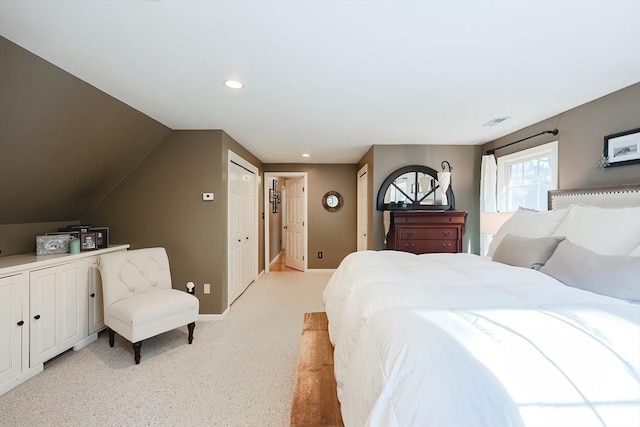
{"points": [[207, 197], [207, 288]]}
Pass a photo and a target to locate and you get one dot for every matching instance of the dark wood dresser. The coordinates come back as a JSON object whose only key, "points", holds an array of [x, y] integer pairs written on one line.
{"points": [[423, 232]]}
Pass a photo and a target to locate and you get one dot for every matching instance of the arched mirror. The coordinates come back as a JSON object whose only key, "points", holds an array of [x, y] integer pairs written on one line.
{"points": [[414, 188]]}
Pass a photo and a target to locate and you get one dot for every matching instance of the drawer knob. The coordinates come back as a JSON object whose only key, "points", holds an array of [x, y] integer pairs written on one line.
{"points": [[446, 245], [446, 232], [20, 323], [92, 295], [450, 219], [37, 316]]}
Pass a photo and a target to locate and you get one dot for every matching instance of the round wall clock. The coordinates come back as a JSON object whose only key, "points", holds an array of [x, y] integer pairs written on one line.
{"points": [[332, 201]]}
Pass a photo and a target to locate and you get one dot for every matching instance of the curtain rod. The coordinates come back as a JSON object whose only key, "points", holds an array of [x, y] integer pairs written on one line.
{"points": [[493, 150]]}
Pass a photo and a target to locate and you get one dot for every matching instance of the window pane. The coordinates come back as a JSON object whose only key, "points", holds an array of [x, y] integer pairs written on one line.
{"points": [[526, 177]]}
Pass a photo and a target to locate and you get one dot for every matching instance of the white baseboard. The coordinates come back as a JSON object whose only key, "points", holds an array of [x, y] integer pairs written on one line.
{"points": [[24, 376], [320, 270], [210, 317], [85, 342]]}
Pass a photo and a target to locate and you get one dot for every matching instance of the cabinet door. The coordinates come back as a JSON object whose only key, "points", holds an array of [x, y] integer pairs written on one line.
{"points": [[58, 310], [14, 326], [96, 308], [43, 324]]}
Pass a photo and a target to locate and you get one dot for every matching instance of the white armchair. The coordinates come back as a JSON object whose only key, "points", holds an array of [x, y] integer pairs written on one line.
{"points": [[139, 301]]}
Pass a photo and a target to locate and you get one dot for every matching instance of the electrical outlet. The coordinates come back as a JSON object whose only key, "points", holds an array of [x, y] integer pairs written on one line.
{"points": [[207, 288], [319, 254]]}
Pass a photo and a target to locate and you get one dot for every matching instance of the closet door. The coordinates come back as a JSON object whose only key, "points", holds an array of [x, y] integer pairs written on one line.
{"points": [[242, 218]]}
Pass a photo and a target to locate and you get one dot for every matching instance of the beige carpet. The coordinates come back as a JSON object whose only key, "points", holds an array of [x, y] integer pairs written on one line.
{"points": [[238, 372]]}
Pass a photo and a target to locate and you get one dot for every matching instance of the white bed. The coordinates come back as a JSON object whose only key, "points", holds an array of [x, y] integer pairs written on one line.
{"points": [[460, 340]]}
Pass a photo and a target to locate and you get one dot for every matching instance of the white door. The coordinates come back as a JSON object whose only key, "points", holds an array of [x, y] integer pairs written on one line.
{"points": [[241, 268], [363, 203], [294, 228]]}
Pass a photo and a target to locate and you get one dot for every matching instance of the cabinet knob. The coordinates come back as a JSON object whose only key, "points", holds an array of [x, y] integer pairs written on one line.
{"points": [[450, 219], [92, 295], [20, 323], [37, 316]]}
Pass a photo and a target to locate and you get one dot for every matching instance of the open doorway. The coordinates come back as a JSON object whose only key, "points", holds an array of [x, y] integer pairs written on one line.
{"points": [[285, 216]]}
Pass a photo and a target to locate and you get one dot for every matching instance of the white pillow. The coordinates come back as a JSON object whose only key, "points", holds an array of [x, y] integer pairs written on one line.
{"points": [[635, 252], [528, 223], [606, 231]]}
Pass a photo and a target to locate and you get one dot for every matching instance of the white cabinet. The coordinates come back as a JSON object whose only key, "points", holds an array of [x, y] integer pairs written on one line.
{"points": [[14, 329], [58, 309], [48, 304]]}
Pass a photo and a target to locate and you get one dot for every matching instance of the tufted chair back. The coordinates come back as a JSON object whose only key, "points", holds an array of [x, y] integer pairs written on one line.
{"points": [[129, 273]]}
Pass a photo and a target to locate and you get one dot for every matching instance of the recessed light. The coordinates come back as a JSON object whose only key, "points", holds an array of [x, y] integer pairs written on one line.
{"points": [[233, 84], [306, 155]]}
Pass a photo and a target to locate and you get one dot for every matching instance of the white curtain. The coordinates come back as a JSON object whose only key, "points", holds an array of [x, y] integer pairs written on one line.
{"points": [[488, 198]]}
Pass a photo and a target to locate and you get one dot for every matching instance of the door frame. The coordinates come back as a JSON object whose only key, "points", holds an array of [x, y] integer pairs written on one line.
{"points": [[233, 157], [363, 170], [305, 198]]}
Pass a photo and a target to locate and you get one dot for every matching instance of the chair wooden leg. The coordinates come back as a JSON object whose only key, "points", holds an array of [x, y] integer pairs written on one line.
{"points": [[191, 326], [136, 351], [112, 337]]}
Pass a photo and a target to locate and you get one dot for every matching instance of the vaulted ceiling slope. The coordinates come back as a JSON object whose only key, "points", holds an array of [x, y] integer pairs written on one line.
{"points": [[331, 78], [63, 143]]}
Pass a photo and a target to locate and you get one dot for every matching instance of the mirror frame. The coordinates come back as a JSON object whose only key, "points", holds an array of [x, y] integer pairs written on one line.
{"points": [[382, 206], [335, 208]]}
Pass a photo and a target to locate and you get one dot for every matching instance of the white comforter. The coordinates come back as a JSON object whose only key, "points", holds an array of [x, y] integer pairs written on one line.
{"points": [[455, 339]]}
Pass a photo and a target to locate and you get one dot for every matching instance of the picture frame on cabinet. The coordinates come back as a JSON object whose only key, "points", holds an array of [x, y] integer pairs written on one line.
{"points": [[622, 148], [88, 241], [50, 245], [75, 234], [102, 237]]}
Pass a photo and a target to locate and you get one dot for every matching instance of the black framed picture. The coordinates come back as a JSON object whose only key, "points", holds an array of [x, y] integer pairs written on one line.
{"points": [[102, 237], [88, 241], [622, 148]]}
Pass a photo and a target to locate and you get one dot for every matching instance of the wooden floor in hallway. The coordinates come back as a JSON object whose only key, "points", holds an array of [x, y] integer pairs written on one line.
{"points": [[278, 264]]}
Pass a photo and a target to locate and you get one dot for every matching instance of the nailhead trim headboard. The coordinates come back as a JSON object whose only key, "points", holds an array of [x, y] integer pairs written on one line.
{"points": [[605, 197]]}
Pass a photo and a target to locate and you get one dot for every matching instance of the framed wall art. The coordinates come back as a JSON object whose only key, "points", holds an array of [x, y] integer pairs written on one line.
{"points": [[622, 148]]}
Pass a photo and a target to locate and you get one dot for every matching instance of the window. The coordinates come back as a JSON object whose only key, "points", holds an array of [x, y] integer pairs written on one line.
{"points": [[525, 177]]}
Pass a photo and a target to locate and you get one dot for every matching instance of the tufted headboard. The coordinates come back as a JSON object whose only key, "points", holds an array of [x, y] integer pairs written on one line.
{"points": [[606, 197]]}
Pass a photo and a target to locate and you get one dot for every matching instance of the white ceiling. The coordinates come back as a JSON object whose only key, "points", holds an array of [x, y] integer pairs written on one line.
{"points": [[333, 78]]}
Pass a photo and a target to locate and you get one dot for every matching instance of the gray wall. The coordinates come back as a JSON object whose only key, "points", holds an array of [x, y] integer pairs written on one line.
{"points": [[465, 161], [332, 233], [275, 222], [160, 204], [63, 145], [581, 139]]}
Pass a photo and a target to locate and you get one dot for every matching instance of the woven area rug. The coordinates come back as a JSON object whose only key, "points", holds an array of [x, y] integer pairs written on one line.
{"points": [[315, 402]]}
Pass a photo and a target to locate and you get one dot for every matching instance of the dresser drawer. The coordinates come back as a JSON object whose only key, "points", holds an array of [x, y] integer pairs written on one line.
{"points": [[415, 233], [427, 246]]}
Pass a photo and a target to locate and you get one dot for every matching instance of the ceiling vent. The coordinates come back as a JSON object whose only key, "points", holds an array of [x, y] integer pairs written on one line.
{"points": [[496, 121]]}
